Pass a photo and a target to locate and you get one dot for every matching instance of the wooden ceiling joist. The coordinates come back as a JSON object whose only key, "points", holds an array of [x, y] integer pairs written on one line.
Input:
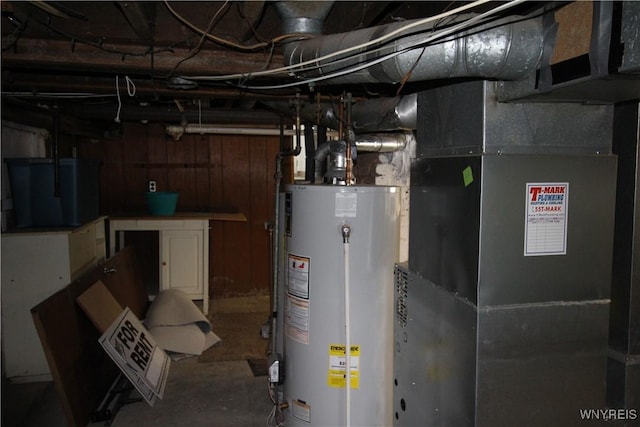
{"points": [[141, 16], [128, 58]]}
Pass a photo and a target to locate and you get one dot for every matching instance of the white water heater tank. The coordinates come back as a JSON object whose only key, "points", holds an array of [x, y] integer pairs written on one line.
{"points": [[314, 303]]}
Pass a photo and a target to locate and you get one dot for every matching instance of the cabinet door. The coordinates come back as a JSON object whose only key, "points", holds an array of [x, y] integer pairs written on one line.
{"points": [[181, 261], [82, 249], [34, 267]]}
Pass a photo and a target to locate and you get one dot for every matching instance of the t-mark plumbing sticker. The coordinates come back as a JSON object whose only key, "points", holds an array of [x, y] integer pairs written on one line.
{"points": [[546, 218]]}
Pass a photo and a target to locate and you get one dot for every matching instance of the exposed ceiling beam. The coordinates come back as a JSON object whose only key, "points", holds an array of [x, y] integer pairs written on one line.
{"points": [[151, 113], [25, 113], [141, 16], [132, 59], [251, 12], [39, 84]]}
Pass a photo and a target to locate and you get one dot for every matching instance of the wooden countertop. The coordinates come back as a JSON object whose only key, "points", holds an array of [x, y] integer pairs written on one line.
{"points": [[215, 216]]}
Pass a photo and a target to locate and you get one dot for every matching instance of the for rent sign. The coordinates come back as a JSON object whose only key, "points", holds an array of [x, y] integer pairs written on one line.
{"points": [[133, 349]]}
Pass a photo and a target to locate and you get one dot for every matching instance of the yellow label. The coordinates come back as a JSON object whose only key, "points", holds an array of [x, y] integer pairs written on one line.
{"points": [[336, 376]]}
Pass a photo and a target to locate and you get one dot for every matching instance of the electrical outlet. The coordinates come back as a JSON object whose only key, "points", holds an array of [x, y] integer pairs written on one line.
{"points": [[152, 186]]}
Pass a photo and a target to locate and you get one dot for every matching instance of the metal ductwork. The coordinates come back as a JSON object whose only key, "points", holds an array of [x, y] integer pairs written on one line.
{"points": [[371, 115], [303, 16], [330, 157], [381, 142], [379, 114], [505, 49]]}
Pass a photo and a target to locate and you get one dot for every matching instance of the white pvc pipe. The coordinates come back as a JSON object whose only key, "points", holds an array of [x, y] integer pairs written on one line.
{"points": [[347, 344], [176, 131]]}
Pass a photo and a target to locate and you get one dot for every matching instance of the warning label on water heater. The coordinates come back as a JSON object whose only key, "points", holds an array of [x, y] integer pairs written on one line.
{"points": [[298, 276], [296, 319], [546, 220]]}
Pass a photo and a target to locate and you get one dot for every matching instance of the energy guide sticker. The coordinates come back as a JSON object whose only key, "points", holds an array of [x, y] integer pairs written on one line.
{"points": [[337, 373], [546, 218]]}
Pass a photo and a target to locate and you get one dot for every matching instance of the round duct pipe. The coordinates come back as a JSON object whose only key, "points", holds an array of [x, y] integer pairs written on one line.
{"points": [[371, 115], [506, 49], [303, 16], [331, 154], [381, 142]]}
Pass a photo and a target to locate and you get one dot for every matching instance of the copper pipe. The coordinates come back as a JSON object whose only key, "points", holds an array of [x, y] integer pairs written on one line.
{"points": [[341, 118], [348, 171]]}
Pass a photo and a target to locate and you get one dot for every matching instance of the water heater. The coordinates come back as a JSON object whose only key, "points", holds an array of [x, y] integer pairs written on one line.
{"points": [[318, 314]]}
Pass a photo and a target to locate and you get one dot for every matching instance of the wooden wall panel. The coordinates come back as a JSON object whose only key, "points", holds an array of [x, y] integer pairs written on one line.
{"points": [[219, 279], [157, 161], [211, 173], [236, 192], [202, 188], [259, 210], [134, 158], [181, 172], [115, 191], [215, 171], [91, 150]]}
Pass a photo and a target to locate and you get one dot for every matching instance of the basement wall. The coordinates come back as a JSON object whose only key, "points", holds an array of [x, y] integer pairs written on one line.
{"points": [[211, 173]]}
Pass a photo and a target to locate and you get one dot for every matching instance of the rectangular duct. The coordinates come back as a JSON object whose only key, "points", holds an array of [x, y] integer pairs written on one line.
{"points": [[624, 341], [467, 119], [470, 236], [510, 260], [609, 70], [457, 364]]}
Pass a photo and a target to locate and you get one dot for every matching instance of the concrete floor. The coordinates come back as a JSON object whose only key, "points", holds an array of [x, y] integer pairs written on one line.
{"points": [[216, 394], [204, 394]]}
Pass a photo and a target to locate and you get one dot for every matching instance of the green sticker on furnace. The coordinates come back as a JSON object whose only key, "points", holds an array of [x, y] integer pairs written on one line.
{"points": [[467, 176]]}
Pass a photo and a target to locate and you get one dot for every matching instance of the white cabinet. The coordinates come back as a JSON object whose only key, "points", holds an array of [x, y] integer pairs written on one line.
{"points": [[181, 261], [184, 250], [36, 263], [184, 247]]}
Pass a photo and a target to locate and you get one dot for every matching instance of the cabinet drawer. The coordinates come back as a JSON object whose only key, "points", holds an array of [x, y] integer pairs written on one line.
{"points": [[82, 249]]}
